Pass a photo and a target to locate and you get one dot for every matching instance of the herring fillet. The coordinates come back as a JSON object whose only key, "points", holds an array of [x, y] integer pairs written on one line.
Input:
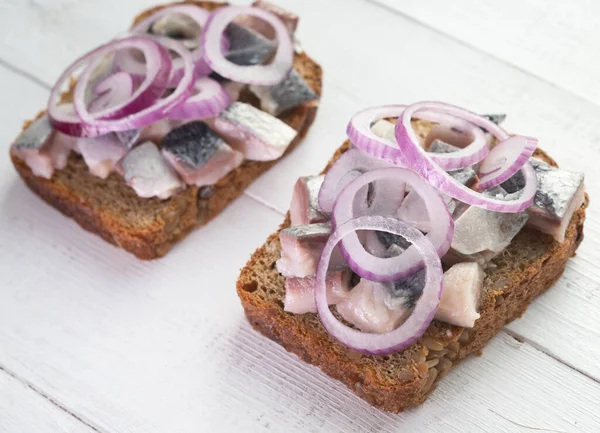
{"points": [[258, 135], [198, 154]]}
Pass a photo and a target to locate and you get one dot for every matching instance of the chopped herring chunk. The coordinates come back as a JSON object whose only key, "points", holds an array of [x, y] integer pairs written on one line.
{"points": [[41, 148], [300, 292], [384, 129], [366, 308], [146, 171], [301, 248], [198, 154], [291, 92], [246, 46], [559, 194], [304, 208], [101, 154], [462, 286], [258, 135], [479, 230]]}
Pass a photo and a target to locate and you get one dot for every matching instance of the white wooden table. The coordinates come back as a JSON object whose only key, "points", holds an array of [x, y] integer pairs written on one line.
{"points": [[93, 340]]}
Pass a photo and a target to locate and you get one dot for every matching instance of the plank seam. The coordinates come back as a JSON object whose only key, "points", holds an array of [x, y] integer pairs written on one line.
{"points": [[51, 400], [25, 74], [524, 340]]}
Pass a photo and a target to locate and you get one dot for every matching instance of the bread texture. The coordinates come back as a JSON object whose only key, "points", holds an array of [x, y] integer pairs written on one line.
{"points": [[146, 227], [531, 264]]}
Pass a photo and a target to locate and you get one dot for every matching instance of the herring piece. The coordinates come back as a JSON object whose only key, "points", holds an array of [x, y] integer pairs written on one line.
{"points": [[462, 286], [180, 27], [496, 118], [157, 130], [559, 194], [146, 171], [467, 176], [246, 46], [258, 135], [300, 292], [301, 248], [291, 92], [130, 137], [384, 129], [413, 211], [477, 230], [289, 19], [42, 148], [198, 154], [101, 154], [233, 89], [365, 307], [304, 208], [450, 136]]}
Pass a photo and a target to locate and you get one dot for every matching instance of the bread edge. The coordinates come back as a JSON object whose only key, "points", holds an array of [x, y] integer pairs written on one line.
{"points": [[279, 326]]}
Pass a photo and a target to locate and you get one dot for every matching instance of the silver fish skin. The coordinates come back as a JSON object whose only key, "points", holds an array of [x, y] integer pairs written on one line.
{"points": [[130, 137], [291, 92], [498, 119], [308, 232], [405, 293], [467, 176], [198, 154], [258, 135], [246, 46], [304, 208], [146, 171], [35, 136], [559, 194]]}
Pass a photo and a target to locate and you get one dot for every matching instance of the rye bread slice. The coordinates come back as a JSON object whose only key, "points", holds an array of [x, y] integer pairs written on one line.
{"points": [[529, 266], [149, 228]]}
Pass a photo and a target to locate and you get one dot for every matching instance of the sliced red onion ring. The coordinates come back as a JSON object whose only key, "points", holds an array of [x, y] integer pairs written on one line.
{"points": [[359, 130], [416, 324], [394, 268], [348, 167], [157, 73], [505, 160], [93, 125], [113, 90], [265, 75], [209, 101], [412, 155], [125, 61]]}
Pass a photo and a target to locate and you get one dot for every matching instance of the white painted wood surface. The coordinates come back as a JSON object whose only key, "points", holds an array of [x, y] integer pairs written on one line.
{"points": [[23, 409], [128, 346]]}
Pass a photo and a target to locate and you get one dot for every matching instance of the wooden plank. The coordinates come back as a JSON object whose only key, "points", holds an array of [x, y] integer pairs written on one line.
{"points": [[24, 410], [153, 350], [556, 40]]}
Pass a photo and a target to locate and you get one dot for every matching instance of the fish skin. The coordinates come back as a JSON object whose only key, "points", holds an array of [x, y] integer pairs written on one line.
{"points": [[178, 26], [42, 148], [498, 119], [258, 135], [559, 193], [301, 248], [198, 154], [405, 293], [466, 176], [146, 171], [35, 136], [246, 46], [304, 208], [130, 137], [193, 143], [291, 92]]}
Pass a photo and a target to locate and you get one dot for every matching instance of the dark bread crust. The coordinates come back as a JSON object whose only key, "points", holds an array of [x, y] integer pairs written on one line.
{"points": [[529, 266], [160, 224]]}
